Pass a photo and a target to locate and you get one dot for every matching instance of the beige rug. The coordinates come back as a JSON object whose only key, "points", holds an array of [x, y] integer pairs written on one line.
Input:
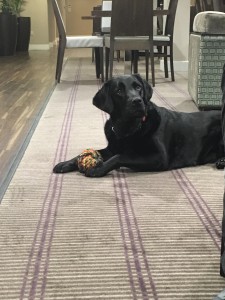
{"points": [[126, 236]]}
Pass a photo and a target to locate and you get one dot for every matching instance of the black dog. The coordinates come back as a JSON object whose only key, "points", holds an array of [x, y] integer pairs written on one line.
{"points": [[145, 137]]}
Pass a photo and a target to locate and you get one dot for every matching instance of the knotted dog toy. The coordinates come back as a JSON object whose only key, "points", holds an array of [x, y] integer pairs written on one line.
{"points": [[89, 159]]}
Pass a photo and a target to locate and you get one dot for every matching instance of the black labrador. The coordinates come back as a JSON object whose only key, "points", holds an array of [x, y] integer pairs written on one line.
{"points": [[145, 137]]}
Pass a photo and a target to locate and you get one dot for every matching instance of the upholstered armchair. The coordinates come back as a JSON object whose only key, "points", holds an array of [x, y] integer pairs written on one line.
{"points": [[206, 59]]}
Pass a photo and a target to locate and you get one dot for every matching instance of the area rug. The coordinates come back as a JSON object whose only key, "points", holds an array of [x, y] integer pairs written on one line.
{"points": [[125, 236]]}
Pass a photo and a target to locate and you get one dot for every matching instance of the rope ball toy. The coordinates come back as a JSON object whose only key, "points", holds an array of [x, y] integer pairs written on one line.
{"points": [[89, 159]]}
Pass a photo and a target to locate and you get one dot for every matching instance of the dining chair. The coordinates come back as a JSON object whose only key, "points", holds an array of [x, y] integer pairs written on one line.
{"points": [[84, 41], [131, 29], [106, 21], [165, 41], [96, 27]]}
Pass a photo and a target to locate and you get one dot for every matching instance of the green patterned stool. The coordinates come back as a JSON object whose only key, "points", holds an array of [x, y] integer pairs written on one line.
{"points": [[206, 59]]}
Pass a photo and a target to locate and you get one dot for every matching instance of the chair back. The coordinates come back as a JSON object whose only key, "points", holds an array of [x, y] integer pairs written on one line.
{"points": [[96, 22], [132, 18], [170, 19], [106, 21], [59, 20], [209, 5]]}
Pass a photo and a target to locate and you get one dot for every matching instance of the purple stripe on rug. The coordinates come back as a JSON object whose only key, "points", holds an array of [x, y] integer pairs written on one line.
{"points": [[147, 267], [50, 206], [128, 223], [163, 99], [206, 216], [64, 137], [211, 228], [125, 246]]}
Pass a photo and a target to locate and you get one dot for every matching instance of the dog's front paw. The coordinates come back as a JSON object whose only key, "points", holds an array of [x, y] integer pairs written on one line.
{"points": [[220, 164], [65, 167], [95, 172]]}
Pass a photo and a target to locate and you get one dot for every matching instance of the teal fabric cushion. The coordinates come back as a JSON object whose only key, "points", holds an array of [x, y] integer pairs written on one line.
{"points": [[209, 22]]}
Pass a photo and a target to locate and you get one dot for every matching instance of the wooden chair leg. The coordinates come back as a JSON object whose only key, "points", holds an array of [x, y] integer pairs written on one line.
{"points": [[97, 62], [146, 64], [118, 55], [165, 62], [134, 61], [93, 55], [59, 63], [111, 58], [106, 63], [171, 63], [152, 66], [102, 64]]}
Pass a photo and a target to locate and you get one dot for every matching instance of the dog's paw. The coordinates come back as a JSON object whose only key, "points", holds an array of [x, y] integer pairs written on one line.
{"points": [[64, 167], [95, 172], [220, 164]]}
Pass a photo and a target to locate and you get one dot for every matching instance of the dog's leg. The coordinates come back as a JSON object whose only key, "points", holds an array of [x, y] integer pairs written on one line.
{"points": [[72, 165], [143, 163], [66, 166]]}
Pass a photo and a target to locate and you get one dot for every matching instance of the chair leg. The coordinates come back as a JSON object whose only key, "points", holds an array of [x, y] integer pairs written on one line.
{"points": [[118, 55], [171, 63], [93, 55], [111, 58], [134, 63], [106, 63], [146, 64], [102, 64], [152, 66], [97, 62], [59, 64], [165, 62]]}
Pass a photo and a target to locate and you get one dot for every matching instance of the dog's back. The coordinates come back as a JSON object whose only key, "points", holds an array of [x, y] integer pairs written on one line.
{"points": [[191, 138]]}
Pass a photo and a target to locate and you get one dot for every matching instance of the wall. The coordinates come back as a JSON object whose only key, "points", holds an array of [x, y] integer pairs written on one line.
{"points": [[181, 35], [51, 25], [75, 9], [38, 11]]}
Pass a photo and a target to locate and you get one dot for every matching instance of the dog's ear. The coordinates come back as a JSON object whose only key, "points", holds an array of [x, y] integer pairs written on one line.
{"points": [[148, 91], [103, 100]]}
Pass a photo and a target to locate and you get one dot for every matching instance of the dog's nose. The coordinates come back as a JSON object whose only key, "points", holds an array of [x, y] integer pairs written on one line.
{"points": [[136, 101]]}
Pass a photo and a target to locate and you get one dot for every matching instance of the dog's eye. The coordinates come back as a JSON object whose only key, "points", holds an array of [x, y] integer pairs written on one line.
{"points": [[138, 88], [119, 92]]}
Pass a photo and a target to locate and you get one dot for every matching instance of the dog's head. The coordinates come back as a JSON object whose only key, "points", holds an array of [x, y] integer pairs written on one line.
{"points": [[126, 95]]}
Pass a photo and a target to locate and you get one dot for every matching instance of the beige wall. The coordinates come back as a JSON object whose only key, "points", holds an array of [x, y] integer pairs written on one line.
{"points": [[75, 9], [43, 30], [181, 31], [38, 11], [51, 24], [181, 35]]}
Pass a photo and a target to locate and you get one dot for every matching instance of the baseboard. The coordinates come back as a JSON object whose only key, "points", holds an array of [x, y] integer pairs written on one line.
{"points": [[179, 66], [39, 46]]}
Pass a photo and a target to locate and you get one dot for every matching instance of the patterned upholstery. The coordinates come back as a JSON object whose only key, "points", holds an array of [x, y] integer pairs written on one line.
{"points": [[206, 60]]}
